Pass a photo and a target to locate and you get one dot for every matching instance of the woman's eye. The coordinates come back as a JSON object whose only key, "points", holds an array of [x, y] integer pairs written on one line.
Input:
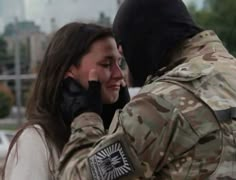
{"points": [[122, 63], [106, 65]]}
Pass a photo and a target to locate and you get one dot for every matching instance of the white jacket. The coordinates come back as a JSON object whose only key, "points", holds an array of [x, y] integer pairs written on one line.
{"points": [[29, 158]]}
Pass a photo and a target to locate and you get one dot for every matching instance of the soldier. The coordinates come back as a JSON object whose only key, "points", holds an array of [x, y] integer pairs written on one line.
{"points": [[182, 124]]}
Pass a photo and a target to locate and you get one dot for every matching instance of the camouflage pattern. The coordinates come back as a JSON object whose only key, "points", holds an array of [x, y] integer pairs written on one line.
{"points": [[180, 126]]}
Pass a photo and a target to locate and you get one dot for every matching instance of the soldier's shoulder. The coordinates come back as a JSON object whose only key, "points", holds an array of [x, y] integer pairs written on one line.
{"points": [[151, 99], [159, 90]]}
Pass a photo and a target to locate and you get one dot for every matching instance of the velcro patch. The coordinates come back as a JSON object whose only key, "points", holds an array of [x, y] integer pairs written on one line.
{"points": [[110, 163]]}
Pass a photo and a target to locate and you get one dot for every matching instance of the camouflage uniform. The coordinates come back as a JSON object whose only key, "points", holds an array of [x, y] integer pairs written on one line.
{"points": [[180, 126]]}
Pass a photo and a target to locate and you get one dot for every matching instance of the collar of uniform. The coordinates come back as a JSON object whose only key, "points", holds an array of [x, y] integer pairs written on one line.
{"points": [[200, 44], [202, 38], [203, 42]]}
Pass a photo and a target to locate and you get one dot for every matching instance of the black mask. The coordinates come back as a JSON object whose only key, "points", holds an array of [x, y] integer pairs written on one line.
{"points": [[148, 30]]}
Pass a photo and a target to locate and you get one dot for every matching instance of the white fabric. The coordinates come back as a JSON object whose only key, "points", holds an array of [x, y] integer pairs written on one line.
{"points": [[29, 158], [133, 91]]}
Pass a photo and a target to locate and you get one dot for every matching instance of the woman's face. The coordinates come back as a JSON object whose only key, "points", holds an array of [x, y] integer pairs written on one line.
{"points": [[105, 58]]}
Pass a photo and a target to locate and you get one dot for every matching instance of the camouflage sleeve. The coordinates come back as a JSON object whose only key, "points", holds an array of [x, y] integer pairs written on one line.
{"points": [[86, 130], [90, 154], [139, 142]]}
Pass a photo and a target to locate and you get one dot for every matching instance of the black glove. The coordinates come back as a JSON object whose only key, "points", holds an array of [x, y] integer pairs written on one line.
{"points": [[76, 100], [109, 109]]}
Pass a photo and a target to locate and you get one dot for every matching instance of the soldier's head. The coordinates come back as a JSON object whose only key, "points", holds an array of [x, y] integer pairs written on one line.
{"points": [[148, 30]]}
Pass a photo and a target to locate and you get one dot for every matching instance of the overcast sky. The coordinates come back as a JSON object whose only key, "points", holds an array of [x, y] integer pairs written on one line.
{"points": [[63, 11]]}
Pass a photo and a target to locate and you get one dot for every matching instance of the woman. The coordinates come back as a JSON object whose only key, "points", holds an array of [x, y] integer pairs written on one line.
{"points": [[74, 50]]}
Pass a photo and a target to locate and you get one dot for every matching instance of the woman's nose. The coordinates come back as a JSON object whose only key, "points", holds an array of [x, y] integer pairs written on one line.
{"points": [[117, 72]]}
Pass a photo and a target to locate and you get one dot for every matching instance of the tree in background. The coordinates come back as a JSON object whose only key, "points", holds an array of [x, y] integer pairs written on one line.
{"points": [[4, 56], [6, 99], [3, 49], [6, 60], [220, 16], [6, 96]]}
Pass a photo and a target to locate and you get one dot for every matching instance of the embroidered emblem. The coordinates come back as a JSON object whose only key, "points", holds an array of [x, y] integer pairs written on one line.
{"points": [[110, 163]]}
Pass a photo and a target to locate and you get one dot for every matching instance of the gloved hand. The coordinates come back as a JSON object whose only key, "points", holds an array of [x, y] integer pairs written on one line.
{"points": [[76, 100], [109, 109]]}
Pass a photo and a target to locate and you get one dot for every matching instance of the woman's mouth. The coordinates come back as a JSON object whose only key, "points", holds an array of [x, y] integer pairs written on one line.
{"points": [[114, 87]]}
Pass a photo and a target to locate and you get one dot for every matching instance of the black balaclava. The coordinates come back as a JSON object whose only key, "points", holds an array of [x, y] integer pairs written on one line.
{"points": [[148, 30]]}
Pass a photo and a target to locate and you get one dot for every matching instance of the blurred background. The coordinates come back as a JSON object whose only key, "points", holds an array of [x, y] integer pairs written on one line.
{"points": [[26, 27]]}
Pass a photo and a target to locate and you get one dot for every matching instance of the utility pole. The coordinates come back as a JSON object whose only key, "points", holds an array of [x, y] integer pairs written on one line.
{"points": [[17, 74]]}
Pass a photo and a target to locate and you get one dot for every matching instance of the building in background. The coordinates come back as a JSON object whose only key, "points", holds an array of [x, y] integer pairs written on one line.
{"points": [[32, 43]]}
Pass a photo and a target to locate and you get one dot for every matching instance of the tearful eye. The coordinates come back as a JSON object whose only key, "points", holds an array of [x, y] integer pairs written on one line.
{"points": [[105, 65], [122, 63]]}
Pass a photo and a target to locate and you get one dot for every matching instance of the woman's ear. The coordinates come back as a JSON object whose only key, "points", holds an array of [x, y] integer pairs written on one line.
{"points": [[72, 72]]}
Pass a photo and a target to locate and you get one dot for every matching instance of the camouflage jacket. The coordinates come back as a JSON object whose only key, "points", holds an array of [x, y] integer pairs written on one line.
{"points": [[180, 126]]}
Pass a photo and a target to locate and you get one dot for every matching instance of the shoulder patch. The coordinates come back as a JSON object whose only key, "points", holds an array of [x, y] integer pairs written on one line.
{"points": [[110, 163]]}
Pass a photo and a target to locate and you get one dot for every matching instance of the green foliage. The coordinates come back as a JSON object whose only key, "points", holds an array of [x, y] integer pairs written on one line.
{"points": [[220, 16], [5, 105], [6, 99], [3, 49], [4, 56]]}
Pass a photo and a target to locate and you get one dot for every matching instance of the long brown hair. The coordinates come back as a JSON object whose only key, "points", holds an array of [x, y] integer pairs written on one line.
{"points": [[69, 44]]}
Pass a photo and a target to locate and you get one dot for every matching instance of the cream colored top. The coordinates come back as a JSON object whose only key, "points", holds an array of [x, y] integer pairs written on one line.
{"points": [[31, 159]]}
